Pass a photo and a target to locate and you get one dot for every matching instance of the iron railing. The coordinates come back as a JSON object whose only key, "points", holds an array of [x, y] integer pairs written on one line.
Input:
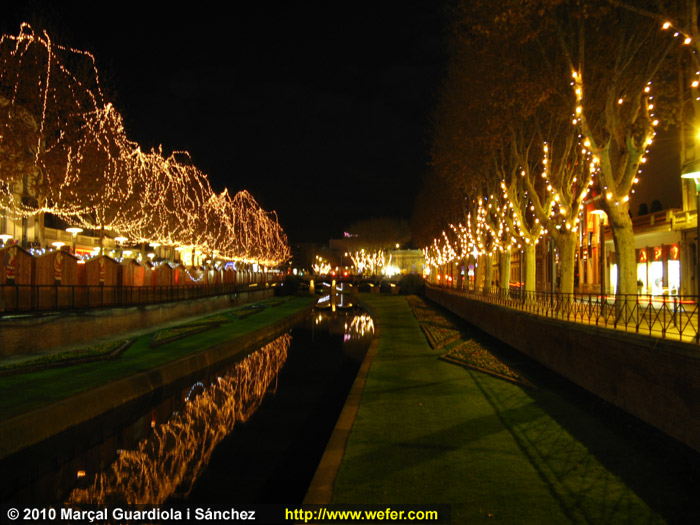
{"points": [[667, 317], [19, 298]]}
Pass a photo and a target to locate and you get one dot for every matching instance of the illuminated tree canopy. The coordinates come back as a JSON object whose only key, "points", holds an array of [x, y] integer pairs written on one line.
{"points": [[547, 105], [64, 144]]}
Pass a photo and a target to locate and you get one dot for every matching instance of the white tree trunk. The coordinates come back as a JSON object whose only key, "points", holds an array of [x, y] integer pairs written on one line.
{"points": [[530, 268], [623, 236], [566, 245], [488, 272], [505, 272]]}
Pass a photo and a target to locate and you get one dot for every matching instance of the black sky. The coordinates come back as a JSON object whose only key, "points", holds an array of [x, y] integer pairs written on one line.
{"points": [[319, 109]]}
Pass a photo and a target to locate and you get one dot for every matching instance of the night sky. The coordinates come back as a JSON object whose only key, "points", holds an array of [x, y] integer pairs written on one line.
{"points": [[319, 109]]}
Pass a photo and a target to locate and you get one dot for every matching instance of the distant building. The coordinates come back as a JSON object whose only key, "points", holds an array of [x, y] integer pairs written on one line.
{"points": [[396, 261]]}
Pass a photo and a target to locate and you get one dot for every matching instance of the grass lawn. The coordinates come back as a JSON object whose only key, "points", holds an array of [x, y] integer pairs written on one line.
{"points": [[430, 432], [22, 392]]}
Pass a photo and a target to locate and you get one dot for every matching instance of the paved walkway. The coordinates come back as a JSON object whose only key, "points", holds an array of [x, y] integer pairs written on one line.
{"points": [[430, 432]]}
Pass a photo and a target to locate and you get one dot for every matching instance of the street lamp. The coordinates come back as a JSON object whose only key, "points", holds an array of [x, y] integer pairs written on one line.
{"points": [[120, 241], [153, 245], [692, 171], [74, 231]]}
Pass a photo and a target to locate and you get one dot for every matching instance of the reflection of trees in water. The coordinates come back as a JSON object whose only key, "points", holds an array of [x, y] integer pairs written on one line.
{"points": [[361, 325], [169, 461]]}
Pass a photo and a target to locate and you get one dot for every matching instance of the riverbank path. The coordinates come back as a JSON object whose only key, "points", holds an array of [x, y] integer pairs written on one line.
{"points": [[430, 432]]}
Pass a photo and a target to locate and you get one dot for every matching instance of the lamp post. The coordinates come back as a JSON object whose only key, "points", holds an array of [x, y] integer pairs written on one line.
{"points": [[601, 250], [120, 241], [153, 245], [74, 231]]}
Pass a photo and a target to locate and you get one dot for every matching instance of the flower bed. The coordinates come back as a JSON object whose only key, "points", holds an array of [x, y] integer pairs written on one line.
{"points": [[431, 316], [184, 330], [473, 355], [276, 302], [247, 312], [426, 313], [439, 336], [216, 320], [83, 355], [416, 302], [179, 332]]}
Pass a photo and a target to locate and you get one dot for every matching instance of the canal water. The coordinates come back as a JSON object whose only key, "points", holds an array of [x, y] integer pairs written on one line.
{"points": [[252, 431]]}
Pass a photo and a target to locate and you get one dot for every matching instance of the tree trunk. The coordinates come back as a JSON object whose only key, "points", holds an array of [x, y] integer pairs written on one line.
{"points": [[24, 243], [102, 239], [566, 245], [530, 268], [479, 272], [465, 277], [488, 273], [623, 236], [505, 272], [41, 229]]}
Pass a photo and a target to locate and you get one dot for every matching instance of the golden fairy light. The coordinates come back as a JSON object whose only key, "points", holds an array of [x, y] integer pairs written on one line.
{"points": [[56, 125], [370, 262]]}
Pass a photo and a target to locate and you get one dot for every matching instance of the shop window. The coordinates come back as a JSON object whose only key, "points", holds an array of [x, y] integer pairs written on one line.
{"points": [[613, 279], [642, 277], [656, 277], [674, 277]]}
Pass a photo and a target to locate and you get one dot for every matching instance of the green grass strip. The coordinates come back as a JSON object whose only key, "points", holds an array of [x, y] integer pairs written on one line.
{"points": [[429, 432], [26, 391]]}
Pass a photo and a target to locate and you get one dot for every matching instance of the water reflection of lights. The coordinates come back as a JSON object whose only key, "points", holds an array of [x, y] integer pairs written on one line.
{"points": [[173, 456], [360, 326], [339, 301], [196, 389], [354, 326]]}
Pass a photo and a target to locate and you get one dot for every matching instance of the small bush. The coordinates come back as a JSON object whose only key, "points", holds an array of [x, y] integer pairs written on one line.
{"points": [[385, 287], [291, 285], [412, 284], [364, 287]]}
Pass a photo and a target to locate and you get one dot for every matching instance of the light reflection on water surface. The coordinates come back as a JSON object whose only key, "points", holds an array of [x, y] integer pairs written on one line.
{"points": [[172, 457]]}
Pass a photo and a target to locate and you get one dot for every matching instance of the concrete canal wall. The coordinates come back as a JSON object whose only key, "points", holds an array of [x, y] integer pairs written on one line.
{"points": [[30, 334], [656, 380]]}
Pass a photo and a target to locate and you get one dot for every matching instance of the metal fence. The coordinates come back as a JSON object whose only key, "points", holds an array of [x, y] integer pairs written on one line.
{"points": [[35, 298], [668, 317]]}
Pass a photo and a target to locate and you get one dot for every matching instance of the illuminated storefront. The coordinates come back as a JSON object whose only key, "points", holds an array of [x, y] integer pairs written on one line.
{"points": [[659, 270]]}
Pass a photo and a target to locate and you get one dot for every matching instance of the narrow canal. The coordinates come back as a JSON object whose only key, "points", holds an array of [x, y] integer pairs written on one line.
{"points": [[252, 431]]}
